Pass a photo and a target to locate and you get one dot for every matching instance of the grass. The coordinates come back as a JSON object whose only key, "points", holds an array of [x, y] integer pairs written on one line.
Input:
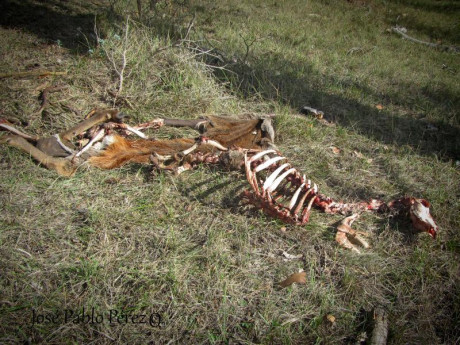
{"points": [[186, 247]]}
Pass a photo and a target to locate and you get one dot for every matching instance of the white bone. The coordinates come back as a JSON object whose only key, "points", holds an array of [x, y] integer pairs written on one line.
{"points": [[189, 150], [266, 164], [315, 188], [162, 158], [62, 145], [302, 201], [295, 196], [135, 131], [273, 176], [279, 179], [99, 135], [215, 144], [249, 174], [260, 155], [307, 210]]}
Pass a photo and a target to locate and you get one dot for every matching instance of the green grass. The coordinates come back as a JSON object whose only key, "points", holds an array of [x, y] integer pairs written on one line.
{"points": [[187, 247]]}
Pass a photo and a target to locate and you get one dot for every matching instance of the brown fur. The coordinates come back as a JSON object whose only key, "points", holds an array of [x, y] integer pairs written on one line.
{"points": [[124, 151], [238, 133], [229, 133]]}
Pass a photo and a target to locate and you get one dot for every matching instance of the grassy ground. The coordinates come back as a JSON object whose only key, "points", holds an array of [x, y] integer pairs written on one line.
{"points": [[126, 242]]}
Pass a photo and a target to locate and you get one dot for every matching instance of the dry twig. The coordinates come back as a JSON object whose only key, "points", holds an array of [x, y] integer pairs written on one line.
{"points": [[31, 74], [44, 98], [402, 31], [380, 332], [119, 70]]}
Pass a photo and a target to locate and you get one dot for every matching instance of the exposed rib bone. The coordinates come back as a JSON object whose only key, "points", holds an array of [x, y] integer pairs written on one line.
{"points": [[62, 145], [215, 144], [301, 202], [267, 163], [273, 176], [306, 211], [250, 176], [99, 135], [260, 155], [135, 131], [162, 158], [279, 179], [191, 149], [295, 196]]}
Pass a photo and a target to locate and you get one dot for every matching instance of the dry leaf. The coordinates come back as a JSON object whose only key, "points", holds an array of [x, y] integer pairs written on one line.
{"points": [[379, 106], [330, 318], [300, 278], [283, 229], [336, 150]]}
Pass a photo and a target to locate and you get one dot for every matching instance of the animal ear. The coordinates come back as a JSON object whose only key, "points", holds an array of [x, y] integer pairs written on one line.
{"points": [[425, 203]]}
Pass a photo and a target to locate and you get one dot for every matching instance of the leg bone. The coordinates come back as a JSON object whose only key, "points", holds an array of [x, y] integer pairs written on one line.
{"points": [[62, 166], [345, 233]]}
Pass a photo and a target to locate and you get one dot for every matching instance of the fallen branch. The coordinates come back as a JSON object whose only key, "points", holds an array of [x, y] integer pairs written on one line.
{"points": [[44, 98], [380, 332], [30, 74], [121, 71], [402, 31]]}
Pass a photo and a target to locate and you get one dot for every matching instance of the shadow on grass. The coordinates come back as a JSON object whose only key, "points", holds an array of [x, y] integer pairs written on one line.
{"points": [[274, 78], [281, 83], [432, 6], [67, 23], [446, 32]]}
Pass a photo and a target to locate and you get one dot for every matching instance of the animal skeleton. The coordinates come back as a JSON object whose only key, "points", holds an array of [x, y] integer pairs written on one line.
{"points": [[275, 186]]}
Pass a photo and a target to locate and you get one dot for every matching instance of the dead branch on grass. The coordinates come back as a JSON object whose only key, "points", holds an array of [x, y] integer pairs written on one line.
{"points": [[44, 98], [119, 70], [31, 74], [402, 32], [380, 332]]}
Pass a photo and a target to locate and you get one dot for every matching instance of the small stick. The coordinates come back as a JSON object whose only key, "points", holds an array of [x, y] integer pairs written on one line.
{"points": [[30, 74], [44, 97], [401, 31], [139, 8]]}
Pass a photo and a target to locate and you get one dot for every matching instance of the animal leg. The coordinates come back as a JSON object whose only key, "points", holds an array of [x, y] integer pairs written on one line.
{"points": [[5, 125], [62, 166], [99, 117]]}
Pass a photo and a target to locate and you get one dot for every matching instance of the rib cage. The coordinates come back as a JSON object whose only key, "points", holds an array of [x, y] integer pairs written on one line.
{"points": [[278, 188]]}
